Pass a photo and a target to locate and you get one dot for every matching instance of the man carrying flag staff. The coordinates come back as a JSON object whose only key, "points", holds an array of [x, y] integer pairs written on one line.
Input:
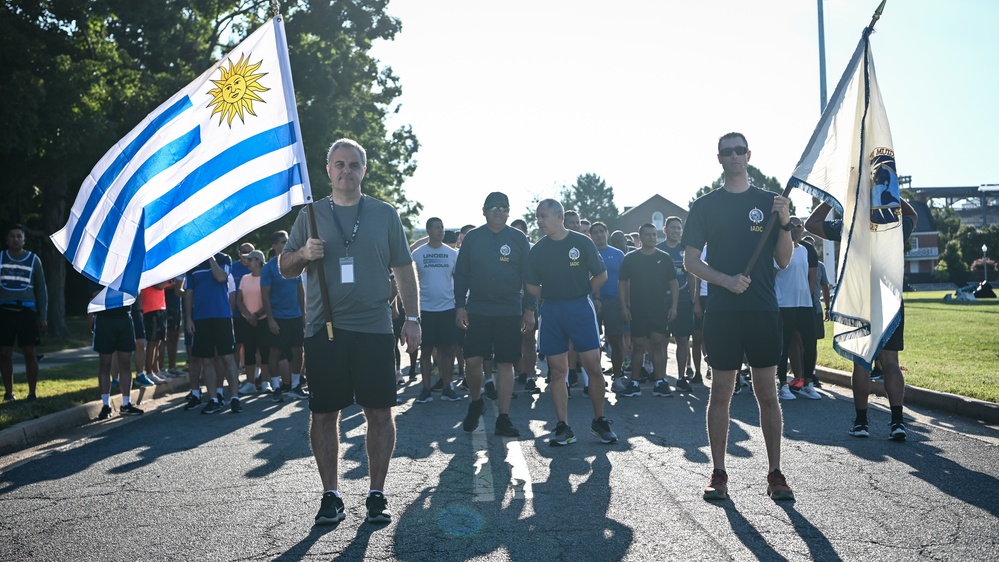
{"points": [[741, 317]]}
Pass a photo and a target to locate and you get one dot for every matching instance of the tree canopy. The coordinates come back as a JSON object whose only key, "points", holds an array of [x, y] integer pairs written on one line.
{"points": [[756, 178]]}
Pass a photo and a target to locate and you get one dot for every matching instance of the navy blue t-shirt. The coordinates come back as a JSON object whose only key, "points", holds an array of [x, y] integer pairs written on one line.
{"points": [[211, 298], [676, 252], [563, 268]]}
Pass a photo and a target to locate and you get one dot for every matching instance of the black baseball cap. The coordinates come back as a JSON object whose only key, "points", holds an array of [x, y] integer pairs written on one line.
{"points": [[496, 198]]}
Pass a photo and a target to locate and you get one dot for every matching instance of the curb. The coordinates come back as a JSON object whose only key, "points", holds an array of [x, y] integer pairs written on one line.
{"points": [[37, 431], [987, 412]]}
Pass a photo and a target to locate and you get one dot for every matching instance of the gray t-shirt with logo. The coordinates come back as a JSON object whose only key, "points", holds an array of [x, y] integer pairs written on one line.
{"points": [[380, 243]]}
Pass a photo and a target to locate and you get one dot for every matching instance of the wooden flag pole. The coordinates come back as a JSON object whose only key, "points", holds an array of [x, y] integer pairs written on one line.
{"points": [[321, 272], [787, 190]]}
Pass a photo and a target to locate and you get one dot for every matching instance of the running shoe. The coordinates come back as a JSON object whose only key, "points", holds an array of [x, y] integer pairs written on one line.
{"points": [[30, 397], [156, 378], [521, 379], [682, 385], [298, 393], [504, 427], [563, 435], [129, 410], [662, 389], [378, 511], [438, 386], [796, 384], [412, 373], [897, 432], [717, 488], [784, 393], [808, 391], [633, 390], [266, 388], [532, 386], [697, 379], [620, 384], [278, 394], [859, 430], [212, 407], [106, 413], [143, 380], [491, 390], [644, 374], [877, 374], [626, 367], [777, 487], [235, 406], [425, 395], [602, 430], [191, 401], [449, 394], [689, 373], [330, 510], [248, 388], [400, 379], [475, 409]]}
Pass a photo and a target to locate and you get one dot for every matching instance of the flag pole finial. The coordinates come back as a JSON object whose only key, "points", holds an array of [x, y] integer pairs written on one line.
{"points": [[877, 16], [276, 7]]}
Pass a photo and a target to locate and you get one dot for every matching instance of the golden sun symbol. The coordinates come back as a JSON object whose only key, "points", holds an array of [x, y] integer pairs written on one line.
{"points": [[236, 90]]}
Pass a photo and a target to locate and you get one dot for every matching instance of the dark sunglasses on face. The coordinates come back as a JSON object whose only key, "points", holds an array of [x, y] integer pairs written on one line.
{"points": [[740, 150], [498, 209]]}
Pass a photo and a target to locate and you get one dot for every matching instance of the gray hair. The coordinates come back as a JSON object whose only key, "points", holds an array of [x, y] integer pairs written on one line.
{"points": [[553, 206], [347, 142]]}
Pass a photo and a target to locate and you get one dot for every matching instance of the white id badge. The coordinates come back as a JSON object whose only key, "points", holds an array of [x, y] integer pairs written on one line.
{"points": [[346, 270]]}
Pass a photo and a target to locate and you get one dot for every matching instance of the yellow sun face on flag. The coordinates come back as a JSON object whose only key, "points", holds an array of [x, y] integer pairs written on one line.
{"points": [[236, 90]]}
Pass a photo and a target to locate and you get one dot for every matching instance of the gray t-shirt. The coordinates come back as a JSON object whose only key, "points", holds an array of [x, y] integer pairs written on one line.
{"points": [[380, 243]]}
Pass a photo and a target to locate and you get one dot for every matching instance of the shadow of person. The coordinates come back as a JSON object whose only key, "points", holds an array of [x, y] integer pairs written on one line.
{"points": [[819, 547], [748, 535]]}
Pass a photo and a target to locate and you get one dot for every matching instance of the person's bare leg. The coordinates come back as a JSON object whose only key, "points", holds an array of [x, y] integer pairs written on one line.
{"points": [[30, 367], [324, 435], [719, 401], [231, 373], [894, 379], [771, 417], [657, 349], [860, 382], [426, 366], [558, 369], [124, 373], [445, 360], [617, 354], [140, 355], [474, 377], [504, 385], [591, 362], [380, 443], [682, 356], [7, 368]]}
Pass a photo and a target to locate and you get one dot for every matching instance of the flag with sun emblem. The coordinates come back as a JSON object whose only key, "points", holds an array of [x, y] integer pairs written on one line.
{"points": [[850, 164], [220, 158]]}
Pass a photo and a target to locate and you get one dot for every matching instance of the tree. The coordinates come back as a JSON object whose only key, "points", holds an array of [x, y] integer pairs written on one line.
{"points": [[592, 199], [947, 222], [971, 240], [756, 178]]}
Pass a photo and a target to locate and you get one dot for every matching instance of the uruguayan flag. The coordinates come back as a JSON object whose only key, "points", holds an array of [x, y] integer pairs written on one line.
{"points": [[220, 158], [850, 163]]}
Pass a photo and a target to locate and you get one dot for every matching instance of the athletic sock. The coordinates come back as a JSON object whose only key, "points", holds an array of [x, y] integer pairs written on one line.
{"points": [[896, 414], [862, 416], [196, 393], [296, 379], [276, 382], [106, 398], [375, 491], [334, 492], [126, 400]]}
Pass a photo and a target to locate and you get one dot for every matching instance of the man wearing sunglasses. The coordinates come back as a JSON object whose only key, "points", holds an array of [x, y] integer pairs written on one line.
{"points": [[492, 306], [741, 315]]}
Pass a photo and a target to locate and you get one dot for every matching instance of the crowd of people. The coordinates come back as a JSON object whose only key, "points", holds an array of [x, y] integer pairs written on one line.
{"points": [[323, 315]]}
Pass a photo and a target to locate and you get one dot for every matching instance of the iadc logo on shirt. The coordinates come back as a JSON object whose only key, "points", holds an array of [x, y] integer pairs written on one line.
{"points": [[756, 216], [574, 257], [886, 206], [504, 253]]}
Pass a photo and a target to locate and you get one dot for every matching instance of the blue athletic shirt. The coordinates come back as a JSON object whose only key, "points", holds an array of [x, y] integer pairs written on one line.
{"points": [[284, 292], [211, 298], [613, 258]]}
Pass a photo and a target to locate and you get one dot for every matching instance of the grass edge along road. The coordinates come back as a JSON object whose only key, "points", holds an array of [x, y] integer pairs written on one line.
{"points": [[949, 347]]}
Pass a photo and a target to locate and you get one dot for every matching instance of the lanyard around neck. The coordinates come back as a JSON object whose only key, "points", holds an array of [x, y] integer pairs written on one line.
{"points": [[357, 223]]}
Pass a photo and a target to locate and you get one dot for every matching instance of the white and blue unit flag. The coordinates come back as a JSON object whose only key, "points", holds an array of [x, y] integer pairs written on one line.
{"points": [[217, 160]]}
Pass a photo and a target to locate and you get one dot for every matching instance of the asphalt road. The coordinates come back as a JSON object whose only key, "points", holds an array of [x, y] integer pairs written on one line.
{"points": [[176, 485]]}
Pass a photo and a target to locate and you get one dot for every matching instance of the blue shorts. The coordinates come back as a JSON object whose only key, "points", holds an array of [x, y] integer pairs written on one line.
{"points": [[562, 321]]}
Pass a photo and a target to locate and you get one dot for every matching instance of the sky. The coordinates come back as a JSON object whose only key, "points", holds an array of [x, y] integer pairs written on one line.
{"points": [[523, 96]]}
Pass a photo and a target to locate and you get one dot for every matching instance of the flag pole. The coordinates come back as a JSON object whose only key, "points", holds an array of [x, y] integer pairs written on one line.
{"points": [[321, 272], [787, 190]]}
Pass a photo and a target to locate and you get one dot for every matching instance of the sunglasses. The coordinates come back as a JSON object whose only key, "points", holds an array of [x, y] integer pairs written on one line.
{"points": [[498, 209], [740, 150]]}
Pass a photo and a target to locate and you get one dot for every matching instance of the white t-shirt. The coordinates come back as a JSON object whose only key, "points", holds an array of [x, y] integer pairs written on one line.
{"points": [[791, 283], [435, 269]]}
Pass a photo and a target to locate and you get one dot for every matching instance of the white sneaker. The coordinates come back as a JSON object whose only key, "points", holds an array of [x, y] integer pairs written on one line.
{"points": [[808, 391], [785, 393], [266, 387], [156, 378], [620, 384], [247, 388]]}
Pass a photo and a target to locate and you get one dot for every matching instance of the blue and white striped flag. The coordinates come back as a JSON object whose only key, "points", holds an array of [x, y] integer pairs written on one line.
{"points": [[850, 164], [220, 158]]}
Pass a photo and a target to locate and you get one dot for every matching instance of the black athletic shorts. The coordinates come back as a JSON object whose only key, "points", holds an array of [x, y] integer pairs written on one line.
{"points": [[154, 324], [683, 325], [20, 325], [897, 340], [642, 325], [138, 324], [291, 334], [174, 317], [355, 366], [610, 317], [755, 334], [438, 329], [493, 337], [213, 336], [113, 333]]}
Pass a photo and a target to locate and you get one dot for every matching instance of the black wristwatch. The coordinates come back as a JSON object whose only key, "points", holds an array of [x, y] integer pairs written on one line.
{"points": [[787, 227], [413, 319]]}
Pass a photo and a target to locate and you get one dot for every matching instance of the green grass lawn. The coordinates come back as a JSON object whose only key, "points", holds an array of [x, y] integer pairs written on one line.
{"points": [[79, 336], [59, 388], [949, 347]]}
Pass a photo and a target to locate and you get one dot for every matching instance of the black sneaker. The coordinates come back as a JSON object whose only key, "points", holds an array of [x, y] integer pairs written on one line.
{"points": [[438, 386], [475, 409], [191, 401], [106, 413], [876, 374], [278, 394], [377, 508], [212, 407], [129, 410], [235, 406], [859, 430], [682, 385], [521, 379], [491, 390], [9, 397], [330, 510], [532, 386], [31, 397], [697, 379], [425, 395], [504, 427], [412, 374], [897, 432], [601, 428], [298, 393], [563, 435]]}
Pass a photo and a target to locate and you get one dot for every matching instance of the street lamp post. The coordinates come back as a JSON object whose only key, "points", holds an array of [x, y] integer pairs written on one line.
{"points": [[985, 263]]}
